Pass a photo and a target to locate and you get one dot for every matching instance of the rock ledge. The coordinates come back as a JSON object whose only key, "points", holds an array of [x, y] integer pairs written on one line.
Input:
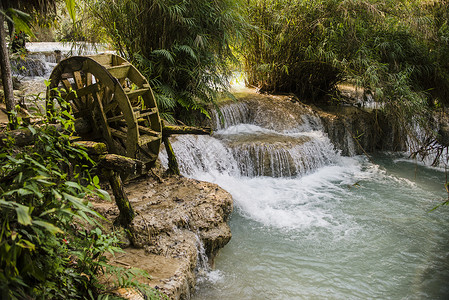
{"points": [[174, 219]]}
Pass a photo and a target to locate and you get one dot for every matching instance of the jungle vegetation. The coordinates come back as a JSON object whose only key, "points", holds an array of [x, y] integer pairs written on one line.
{"points": [[396, 52], [53, 245], [184, 48]]}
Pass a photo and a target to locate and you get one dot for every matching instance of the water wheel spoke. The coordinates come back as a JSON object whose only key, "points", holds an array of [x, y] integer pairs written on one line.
{"points": [[84, 91], [120, 133], [116, 118], [146, 113], [78, 79], [89, 82], [146, 130], [136, 93], [67, 85], [145, 139], [106, 131]]}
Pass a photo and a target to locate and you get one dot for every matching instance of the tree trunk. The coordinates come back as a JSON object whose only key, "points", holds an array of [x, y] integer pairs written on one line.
{"points": [[6, 71], [126, 211]]}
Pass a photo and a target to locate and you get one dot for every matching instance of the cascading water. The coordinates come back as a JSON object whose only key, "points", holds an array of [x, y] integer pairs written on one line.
{"points": [[312, 224], [38, 63]]}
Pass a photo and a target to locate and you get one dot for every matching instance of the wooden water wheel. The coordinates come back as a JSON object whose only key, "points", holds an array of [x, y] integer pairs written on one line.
{"points": [[111, 95]]}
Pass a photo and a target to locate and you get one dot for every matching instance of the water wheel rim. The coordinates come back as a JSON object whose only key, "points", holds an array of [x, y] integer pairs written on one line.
{"points": [[90, 65]]}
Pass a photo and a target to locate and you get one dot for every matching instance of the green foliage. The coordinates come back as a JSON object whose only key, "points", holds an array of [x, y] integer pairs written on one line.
{"points": [[47, 250], [182, 47], [395, 51], [20, 20]]}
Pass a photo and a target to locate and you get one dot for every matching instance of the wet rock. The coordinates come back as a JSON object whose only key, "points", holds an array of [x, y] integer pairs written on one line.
{"points": [[443, 135], [172, 218], [356, 131]]}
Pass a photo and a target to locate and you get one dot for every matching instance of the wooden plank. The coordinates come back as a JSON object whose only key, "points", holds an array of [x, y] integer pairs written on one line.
{"points": [[149, 100], [121, 163], [79, 85], [103, 59], [136, 93], [137, 78], [88, 78], [148, 131], [68, 86], [142, 129], [146, 113], [145, 139], [117, 60], [78, 79], [116, 118], [118, 133], [168, 130], [71, 94], [84, 91], [119, 72], [90, 98], [91, 147]]}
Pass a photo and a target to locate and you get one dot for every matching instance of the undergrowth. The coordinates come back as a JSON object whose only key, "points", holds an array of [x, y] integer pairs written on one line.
{"points": [[52, 245]]}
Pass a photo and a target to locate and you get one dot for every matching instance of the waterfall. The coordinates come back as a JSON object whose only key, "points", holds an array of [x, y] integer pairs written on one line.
{"points": [[240, 148], [304, 213], [437, 156], [30, 67], [42, 57], [231, 114], [202, 265]]}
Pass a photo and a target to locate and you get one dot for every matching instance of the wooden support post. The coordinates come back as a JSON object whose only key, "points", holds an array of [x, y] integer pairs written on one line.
{"points": [[172, 162], [122, 163], [168, 130], [126, 211]]}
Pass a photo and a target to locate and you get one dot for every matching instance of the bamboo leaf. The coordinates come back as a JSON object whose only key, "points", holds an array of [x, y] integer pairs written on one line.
{"points": [[23, 214], [105, 195], [70, 5], [20, 20], [26, 244], [73, 184], [48, 226]]}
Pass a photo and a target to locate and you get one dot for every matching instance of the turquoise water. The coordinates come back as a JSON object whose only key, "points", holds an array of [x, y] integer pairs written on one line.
{"points": [[349, 230]]}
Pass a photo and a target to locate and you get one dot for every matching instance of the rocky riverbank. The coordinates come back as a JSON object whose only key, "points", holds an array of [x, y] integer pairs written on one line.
{"points": [[176, 218]]}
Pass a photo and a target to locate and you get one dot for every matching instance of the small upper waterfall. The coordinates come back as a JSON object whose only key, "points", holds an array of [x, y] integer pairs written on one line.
{"points": [[231, 114], [280, 139], [42, 57]]}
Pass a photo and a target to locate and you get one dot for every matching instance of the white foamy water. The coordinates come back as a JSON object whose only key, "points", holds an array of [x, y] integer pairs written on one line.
{"points": [[250, 150], [343, 228]]}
